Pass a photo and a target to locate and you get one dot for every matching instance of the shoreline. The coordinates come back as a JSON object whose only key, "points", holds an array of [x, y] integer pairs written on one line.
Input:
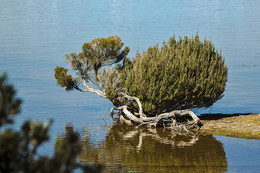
{"points": [[245, 126]]}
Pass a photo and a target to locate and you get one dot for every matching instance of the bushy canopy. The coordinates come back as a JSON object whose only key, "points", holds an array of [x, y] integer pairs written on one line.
{"points": [[180, 74], [96, 54]]}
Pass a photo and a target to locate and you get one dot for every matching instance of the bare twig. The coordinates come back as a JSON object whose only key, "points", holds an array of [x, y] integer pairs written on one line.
{"points": [[107, 109]]}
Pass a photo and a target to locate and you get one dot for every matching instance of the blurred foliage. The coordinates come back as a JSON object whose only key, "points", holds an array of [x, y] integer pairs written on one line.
{"points": [[18, 149], [9, 105]]}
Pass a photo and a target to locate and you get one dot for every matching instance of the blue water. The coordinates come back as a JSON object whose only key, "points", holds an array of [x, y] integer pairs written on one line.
{"points": [[35, 35]]}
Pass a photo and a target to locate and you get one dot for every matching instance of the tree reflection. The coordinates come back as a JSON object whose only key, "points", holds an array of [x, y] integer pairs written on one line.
{"points": [[152, 150]]}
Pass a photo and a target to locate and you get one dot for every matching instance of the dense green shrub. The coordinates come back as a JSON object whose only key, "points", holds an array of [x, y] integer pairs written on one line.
{"points": [[181, 74]]}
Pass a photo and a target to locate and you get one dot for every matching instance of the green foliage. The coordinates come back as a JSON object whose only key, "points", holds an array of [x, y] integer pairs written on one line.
{"points": [[18, 149], [9, 105], [96, 54], [111, 81], [181, 74], [104, 51], [63, 79]]}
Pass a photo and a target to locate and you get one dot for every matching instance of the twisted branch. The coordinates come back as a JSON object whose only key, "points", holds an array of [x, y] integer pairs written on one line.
{"points": [[167, 120]]}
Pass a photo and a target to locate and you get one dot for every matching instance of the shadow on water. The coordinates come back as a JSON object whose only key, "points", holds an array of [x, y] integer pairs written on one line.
{"points": [[127, 149], [218, 116]]}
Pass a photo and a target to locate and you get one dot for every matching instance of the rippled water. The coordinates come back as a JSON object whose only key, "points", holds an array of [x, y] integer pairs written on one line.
{"points": [[35, 35]]}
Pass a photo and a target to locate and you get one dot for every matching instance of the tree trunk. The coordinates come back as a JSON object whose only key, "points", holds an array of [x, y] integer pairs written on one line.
{"points": [[176, 120]]}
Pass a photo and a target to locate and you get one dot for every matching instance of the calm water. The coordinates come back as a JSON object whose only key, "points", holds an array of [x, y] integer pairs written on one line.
{"points": [[35, 35], [141, 150]]}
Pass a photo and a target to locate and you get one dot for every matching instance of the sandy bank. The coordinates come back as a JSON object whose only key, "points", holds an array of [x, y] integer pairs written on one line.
{"points": [[233, 125]]}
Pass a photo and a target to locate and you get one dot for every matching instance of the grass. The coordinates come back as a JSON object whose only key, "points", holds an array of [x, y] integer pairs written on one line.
{"points": [[234, 125]]}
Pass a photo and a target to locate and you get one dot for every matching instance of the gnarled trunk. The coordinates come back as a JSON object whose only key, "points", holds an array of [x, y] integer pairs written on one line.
{"points": [[175, 120]]}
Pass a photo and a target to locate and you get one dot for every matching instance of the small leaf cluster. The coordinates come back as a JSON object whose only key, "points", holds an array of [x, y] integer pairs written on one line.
{"points": [[63, 79], [181, 74]]}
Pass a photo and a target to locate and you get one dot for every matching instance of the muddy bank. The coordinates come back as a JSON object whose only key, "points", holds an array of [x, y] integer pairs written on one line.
{"points": [[233, 125]]}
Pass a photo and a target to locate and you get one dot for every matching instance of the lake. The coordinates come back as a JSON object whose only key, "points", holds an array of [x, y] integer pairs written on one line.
{"points": [[35, 35]]}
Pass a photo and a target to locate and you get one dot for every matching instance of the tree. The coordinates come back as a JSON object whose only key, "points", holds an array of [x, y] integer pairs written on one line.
{"points": [[18, 149], [155, 88]]}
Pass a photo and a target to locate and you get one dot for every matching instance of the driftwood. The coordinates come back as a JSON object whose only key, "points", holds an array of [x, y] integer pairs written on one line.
{"points": [[175, 120]]}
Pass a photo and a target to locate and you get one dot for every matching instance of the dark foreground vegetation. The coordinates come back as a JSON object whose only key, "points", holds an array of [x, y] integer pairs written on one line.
{"points": [[18, 149]]}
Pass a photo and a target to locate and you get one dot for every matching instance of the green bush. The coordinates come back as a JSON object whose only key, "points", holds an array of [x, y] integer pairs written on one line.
{"points": [[181, 74]]}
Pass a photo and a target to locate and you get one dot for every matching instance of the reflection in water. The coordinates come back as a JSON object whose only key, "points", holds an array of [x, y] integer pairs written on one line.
{"points": [[141, 150]]}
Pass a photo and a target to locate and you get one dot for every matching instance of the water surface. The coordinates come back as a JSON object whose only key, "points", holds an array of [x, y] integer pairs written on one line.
{"points": [[35, 35], [142, 150]]}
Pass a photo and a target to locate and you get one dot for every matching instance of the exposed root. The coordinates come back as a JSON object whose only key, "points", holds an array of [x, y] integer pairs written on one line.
{"points": [[177, 120]]}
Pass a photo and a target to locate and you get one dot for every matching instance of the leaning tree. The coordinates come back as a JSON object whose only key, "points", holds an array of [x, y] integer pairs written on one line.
{"points": [[155, 88]]}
